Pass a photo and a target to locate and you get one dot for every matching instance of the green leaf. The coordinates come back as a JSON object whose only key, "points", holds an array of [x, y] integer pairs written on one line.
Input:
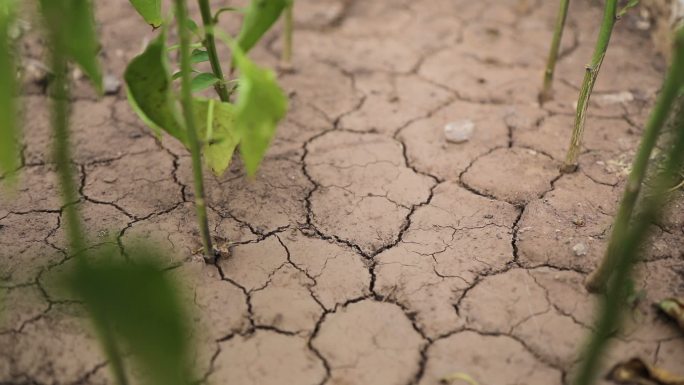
{"points": [[216, 125], [136, 308], [150, 10], [199, 56], [260, 16], [72, 28], [261, 104], [192, 26], [203, 81], [9, 129], [148, 83], [631, 4]]}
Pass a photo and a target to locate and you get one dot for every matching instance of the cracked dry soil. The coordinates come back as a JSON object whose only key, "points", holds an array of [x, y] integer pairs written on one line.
{"points": [[368, 250]]}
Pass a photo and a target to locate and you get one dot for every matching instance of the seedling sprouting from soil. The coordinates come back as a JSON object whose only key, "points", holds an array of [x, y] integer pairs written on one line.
{"points": [[610, 16], [631, 235], [212, 128], [546, 93], [671, 88]]}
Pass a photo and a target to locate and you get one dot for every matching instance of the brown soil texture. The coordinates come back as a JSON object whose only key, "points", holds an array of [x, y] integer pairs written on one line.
{"points": [[368, 249]]}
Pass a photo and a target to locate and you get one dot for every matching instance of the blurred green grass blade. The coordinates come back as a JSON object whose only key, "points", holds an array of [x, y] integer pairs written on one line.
{"points": [[72, 26], [260, 16], [150, 10], [9, 129], [137, 308], [261, 104], [217, 130], [149, 89]]}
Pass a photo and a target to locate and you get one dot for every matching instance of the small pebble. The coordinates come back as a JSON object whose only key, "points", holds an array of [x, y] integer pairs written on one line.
{"points": [[578, 221], [35, 71], [459, 131], [112, 84], [580, 249], [615, 98]]}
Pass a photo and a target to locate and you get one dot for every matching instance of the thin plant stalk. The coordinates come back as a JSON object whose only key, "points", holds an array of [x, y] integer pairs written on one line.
{"points": [[210, 44], [62, 151], [191, 129], [590, 75], [288, 29], [546, 93], [632, 239], [671, 88], [62, 157]]}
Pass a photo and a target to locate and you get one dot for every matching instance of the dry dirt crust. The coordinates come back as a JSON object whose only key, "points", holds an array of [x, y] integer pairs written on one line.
{"points": [[368, 250]]}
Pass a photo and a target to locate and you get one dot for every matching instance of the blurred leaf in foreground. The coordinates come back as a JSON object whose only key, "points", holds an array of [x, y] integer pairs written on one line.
{"points": [[72, 26], [136, 308], [9, 130]]}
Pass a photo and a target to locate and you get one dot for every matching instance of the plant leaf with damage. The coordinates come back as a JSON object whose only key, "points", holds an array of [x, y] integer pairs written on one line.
{"points": [[149, 89]]}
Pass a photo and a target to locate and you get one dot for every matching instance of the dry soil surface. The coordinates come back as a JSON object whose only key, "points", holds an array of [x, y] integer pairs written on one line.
{"points": [[368, 250]]}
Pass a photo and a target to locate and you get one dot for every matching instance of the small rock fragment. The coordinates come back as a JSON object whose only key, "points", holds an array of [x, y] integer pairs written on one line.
{"points": [[35, 71], [580, 249], [615, 98], [459, 131], [578, 221], [112, 84]]}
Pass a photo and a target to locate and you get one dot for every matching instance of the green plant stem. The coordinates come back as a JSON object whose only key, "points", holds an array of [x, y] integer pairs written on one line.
{"points": [[191, 129], [632, 240], [546, 93], [286, 58], [62, 152], [590, 75], [72, 219], [210, 44], [671, 88]]}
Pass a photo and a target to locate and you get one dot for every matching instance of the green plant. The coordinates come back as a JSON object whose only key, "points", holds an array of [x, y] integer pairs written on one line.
{"points": [[632, 236], [143, 317], [9, 131], [145, 313], [209, 128], [610, 15], [546, 93], [671, 88]]}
